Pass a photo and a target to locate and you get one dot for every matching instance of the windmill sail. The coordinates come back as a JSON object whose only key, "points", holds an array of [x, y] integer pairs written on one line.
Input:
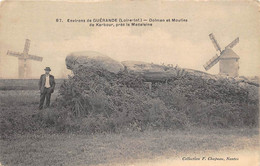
{"points": [[214, 41], [24, 68], [211, 62], [26, 46], [233, 43], [12, 53], [34, 57]]}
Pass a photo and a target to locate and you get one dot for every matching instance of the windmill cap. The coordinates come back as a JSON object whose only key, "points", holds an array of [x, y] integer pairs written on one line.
{"points": [[229, 54], [47, 69]]}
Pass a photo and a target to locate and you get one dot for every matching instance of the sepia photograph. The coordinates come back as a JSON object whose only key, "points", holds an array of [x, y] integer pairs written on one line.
{"points": [[129, 83]]}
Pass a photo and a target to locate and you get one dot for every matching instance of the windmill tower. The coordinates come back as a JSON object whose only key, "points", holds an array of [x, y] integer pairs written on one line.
{"points": [[227, 58], [24, 68]]}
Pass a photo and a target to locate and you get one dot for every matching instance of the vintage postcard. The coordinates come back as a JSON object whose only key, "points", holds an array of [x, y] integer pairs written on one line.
{"points": [[131, 82]]}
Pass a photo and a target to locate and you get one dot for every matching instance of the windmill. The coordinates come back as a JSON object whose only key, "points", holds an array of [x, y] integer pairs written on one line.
{"points": [[227, 58], [24, 68]]}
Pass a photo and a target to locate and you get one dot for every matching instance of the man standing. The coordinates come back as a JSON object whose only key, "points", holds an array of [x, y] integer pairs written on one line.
{"points": [[46, 87]]}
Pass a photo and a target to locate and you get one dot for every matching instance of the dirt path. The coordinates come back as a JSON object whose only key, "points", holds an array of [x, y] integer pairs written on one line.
{"points": [[133, 148], [237, 158]]}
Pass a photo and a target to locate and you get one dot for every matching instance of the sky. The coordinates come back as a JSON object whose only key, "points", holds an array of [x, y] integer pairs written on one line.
{"points": [[186, 44]]}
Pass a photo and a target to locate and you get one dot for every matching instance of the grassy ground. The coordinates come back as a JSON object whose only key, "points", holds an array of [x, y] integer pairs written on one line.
{"points": [[18, 98], [71, 149], [23, 84], [129, 147]]}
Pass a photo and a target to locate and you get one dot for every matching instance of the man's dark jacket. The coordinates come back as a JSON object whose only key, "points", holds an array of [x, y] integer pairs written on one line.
{"points": [[43, 80]]}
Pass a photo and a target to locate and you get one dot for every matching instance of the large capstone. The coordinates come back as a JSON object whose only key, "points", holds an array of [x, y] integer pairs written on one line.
{"points": [[92, 59], [140, 67]]}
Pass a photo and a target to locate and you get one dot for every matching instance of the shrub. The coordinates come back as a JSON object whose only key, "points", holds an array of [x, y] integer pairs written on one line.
{"points": [[107, 102], [96, 100]]}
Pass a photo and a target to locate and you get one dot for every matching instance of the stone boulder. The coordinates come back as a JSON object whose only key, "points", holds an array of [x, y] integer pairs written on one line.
{"points": [[92, 59], [141, 67], [154, 72]]}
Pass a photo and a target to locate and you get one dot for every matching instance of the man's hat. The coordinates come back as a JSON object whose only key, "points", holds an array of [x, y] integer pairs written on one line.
{"points": [[47, 69]]}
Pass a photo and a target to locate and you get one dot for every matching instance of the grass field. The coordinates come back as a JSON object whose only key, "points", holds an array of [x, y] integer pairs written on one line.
{"points": [[151, 147], [76, 149], [23, 84]]}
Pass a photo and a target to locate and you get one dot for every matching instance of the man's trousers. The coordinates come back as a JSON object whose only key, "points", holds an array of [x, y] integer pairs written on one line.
{"points": [[45, 94]]}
